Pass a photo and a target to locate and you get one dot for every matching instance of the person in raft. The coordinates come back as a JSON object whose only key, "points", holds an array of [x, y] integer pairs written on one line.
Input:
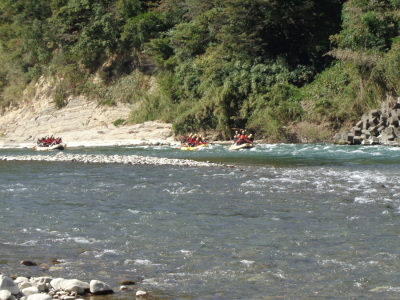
{"points": [[192, 140], [242, 138], [49, 141]]}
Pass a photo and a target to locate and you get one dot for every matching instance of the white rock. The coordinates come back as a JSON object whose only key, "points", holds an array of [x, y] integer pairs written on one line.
{"points": [[74, 285], [39, 297], [19, 280], [98, 287], [24, 285], [30, 291], [141, 294], [5, 294], [8, 284], [55, 283], [43, 283]]}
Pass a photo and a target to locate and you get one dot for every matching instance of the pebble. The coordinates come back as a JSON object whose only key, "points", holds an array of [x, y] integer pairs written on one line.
{"points": [[109, 159]]}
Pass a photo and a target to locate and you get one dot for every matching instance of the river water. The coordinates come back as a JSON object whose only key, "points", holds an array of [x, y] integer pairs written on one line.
{"points": [[301, 221]]}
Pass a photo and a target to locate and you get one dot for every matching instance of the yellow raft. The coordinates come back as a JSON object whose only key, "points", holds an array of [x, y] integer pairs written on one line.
{"points": [[186, 147]]}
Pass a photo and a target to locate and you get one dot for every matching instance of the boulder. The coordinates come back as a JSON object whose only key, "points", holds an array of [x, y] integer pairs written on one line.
{"points": [[39, 297], [30, 290], [24, 285], [141, 294], [74, 285], [18, 280], [43, 283], [56, 283], [5, 295], [8, 284], [100, 288], [28, 263]]}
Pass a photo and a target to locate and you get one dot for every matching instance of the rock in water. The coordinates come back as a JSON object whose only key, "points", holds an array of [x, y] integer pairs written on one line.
{"points": [[100, 288], [28, 263], [141, 294]]}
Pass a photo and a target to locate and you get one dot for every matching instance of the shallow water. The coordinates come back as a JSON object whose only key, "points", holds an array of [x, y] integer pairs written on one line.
{"points": [[291, 221]]}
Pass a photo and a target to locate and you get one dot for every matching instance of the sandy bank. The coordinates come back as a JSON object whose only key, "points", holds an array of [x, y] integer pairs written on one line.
{"points": [[80, 123]]}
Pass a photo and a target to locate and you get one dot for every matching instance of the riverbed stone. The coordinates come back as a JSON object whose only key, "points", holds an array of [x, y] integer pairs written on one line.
{"points": [[28, 263], [41, 296], [30, 290], [141, 294], [20, 279], [8, 284], [24, 285], [100, 288], [75, 285], [56, 283], [43, 283], [5, 294]]}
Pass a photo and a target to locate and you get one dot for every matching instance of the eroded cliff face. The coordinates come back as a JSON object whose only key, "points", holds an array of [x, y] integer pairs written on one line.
{"points": [[80, 123]]}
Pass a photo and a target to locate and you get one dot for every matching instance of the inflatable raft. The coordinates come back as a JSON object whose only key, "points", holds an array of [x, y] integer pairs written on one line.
{"points": [[60, 146], [186, 147], [241, 146]]}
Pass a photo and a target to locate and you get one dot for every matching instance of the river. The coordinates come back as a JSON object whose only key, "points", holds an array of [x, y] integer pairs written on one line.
{"points": [[291, 221]]}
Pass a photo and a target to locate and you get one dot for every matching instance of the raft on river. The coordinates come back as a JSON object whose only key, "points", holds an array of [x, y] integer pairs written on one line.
{"points": [[193, 148], [43, 147], [241, 146]]}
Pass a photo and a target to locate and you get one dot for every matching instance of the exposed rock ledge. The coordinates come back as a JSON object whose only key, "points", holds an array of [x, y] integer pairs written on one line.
{"points": [[80, 123]]}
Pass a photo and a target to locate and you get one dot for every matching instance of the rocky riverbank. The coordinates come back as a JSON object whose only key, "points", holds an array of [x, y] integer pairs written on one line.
{"points": [[48, 288], [376, 127], [107, 159]]}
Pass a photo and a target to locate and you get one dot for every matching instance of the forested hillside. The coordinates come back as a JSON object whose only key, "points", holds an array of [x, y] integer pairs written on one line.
{"points": [[276, 67]]}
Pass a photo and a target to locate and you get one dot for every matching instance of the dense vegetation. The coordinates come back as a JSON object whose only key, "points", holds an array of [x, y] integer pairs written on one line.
{"points": [[265, 65]]}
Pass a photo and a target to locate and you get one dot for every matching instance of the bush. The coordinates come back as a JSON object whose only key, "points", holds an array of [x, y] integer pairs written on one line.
{"points": [[119, 122]]}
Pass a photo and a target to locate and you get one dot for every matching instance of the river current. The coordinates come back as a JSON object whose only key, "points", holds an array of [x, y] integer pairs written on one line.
{"points": [[301, 221]]}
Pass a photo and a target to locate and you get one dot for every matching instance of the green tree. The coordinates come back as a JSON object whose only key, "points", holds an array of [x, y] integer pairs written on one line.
{"points": [[367, 50]]}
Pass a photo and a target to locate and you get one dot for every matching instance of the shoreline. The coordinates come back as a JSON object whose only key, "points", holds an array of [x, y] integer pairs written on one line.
{"points": [[111, 159], [97, 143], [108, 143]]}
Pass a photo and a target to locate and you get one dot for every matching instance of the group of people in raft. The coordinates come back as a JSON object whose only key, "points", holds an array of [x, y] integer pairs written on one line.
{"points": [[49, 141], [242, 138], [194, 140]]}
